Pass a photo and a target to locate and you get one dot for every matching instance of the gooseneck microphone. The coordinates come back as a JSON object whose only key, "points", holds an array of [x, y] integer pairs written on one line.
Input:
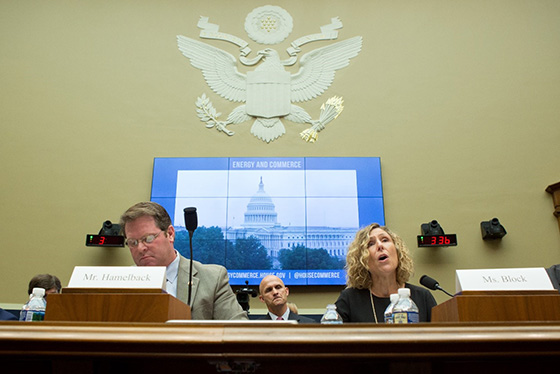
{"points": [[432, 284], [191, 220], [191, 223]]}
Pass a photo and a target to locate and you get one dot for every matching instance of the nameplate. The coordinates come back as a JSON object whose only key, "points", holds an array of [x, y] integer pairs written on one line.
{"points": [[118, 277], [502, 280]]}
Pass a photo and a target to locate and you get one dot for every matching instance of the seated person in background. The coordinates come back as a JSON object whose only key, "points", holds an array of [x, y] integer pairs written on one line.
{"points": [[7, 316], [274, 294], [150, 235], [377, 265], [554, 275], [50, 283], [293, 308]]}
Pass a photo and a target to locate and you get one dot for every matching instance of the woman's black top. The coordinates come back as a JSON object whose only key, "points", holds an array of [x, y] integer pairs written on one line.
{"points": [[354, 305]]}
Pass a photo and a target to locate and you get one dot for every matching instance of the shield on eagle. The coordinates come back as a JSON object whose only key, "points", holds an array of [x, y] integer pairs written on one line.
{"points": [[268, 93]]}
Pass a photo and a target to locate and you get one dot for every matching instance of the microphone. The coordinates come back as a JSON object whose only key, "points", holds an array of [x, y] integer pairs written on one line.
{"points": [[191, 219], [191, 223], [432, 284]]}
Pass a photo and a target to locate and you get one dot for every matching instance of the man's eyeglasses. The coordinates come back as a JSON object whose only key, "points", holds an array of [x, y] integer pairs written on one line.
{"points": [[132, 243]]}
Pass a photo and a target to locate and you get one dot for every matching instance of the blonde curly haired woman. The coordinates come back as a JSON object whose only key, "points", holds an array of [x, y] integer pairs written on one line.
{"points": [[378, 264]]}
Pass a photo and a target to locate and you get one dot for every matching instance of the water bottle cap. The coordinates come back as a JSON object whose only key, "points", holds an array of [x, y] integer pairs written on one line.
{"points": [[394, 297], [38, 291], [404, 292], [331, 306]]}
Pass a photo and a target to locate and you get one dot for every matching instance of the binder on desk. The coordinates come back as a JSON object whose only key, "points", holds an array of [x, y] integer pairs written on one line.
{"points": [[115, 305]]}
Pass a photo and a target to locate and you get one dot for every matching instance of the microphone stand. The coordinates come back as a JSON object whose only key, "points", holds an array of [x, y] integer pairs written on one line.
{"points": [[191, 223], [191, 267], [444, 291]]}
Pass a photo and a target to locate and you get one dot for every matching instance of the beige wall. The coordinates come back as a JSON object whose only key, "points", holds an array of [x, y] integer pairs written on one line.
{"points": [[458, 98]]}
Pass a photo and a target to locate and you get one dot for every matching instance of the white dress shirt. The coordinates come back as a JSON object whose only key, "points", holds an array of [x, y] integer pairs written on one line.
{"points": [[171, 273], [284, 316]]}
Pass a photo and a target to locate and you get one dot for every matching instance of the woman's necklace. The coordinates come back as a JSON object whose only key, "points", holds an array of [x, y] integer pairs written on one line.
{"points": [[373, 306]]}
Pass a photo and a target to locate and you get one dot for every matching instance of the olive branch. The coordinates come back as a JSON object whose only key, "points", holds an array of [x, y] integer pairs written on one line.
{"points": [[208, 114]]}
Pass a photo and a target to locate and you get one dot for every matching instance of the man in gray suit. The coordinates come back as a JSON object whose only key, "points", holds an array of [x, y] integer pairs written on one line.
{"points": [[150, 236]]}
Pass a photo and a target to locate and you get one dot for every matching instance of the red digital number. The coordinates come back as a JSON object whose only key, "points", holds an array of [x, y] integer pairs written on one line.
{"points": [[101, 240], [447, 240], [434, 240]]}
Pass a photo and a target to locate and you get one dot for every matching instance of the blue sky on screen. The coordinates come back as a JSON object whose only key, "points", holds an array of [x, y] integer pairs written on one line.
{"points": [[331, 196]]}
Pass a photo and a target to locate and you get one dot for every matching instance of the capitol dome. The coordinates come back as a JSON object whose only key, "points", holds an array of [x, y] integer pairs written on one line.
{"points": [[260, 210]]}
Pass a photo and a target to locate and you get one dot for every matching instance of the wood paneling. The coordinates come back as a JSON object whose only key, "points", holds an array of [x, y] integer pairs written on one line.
{"points": [[277, 348]]}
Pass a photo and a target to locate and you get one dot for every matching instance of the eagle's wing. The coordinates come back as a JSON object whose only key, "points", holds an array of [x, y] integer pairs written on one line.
{"points": [[318, 67], [218, 67]]}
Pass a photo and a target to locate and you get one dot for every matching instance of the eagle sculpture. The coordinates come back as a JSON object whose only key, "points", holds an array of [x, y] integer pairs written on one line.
{"points": [[269, 92]]}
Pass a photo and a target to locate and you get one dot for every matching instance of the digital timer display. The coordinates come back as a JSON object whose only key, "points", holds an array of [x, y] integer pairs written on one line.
{"points": [[93, 240], [437, 240]]}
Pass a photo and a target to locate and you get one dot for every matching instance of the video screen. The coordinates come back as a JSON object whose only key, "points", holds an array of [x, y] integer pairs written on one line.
{"points": [[293, 217]]}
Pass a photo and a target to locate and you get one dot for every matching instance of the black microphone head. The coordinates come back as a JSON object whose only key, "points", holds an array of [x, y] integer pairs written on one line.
{"points": [[191, 220], [429, 282]]}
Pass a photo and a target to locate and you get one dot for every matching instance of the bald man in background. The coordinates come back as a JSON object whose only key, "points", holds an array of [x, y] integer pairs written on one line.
{"points": [[274, 294]]}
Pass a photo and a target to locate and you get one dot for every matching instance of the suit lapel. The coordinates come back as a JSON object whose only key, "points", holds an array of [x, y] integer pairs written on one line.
{"points": [[183, 281], [292, 316]]}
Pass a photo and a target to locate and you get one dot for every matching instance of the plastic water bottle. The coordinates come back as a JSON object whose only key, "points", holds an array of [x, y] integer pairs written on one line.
{"points": [[331, 316], [34, 309], [405, 310], [389, 311]]}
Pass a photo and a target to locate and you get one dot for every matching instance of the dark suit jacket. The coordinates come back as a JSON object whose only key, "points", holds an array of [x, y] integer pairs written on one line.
{"points": [[212, 297], [554, 275], [7, 316], [292, 317]]}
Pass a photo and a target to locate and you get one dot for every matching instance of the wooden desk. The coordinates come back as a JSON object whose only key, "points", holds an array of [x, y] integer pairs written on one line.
{"points": [[503, 306], [94, 347], [115, 307]]}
